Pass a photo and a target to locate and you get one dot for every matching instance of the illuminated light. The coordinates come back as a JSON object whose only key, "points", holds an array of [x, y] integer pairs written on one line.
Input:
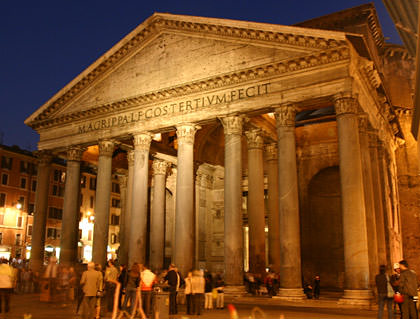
{"points": [[49, 249], [157, 137], [92, 218], [89, 213], [18, 205], [271, 115]]}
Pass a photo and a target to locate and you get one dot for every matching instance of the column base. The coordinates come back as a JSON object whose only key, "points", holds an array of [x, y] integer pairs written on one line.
{"points": [[295, 294], [234, 291], [357, 297]]}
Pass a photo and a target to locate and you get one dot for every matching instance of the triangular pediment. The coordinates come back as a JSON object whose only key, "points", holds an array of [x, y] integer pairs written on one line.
{"points": [[167, 51]]}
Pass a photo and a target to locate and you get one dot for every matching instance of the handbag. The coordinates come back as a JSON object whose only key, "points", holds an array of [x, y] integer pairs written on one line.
{"points": [[389, 290]]}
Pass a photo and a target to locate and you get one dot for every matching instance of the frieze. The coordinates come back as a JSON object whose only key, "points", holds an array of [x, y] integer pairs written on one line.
{"points": [[185, 133], [217, 82], [318, 150], [285, 115], [232, 125]]}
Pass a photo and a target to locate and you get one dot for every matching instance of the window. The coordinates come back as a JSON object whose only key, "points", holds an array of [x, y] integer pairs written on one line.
{"points": [[57, 174], [113, 239], [6, 162], [33, 170], [31, 208], [33, 187], [91, 201], [115, 202], [83, 181], [19, 221], [2, 199], [23, 183], [115, 188], [21, 201], [29, 231], [61, 191], [55, 213], [92, 183], [53, 233], [5, 179], [18, 240], [24, 167], [115, 220]]}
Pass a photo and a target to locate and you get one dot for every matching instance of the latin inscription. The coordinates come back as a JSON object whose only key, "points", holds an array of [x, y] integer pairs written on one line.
{"points": [[182, 107]]}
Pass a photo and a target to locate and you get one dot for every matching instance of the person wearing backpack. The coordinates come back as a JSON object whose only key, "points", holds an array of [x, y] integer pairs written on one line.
{"points": [[408, 288]]}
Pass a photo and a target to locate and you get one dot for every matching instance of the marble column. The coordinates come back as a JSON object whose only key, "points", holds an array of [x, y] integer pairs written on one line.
{"points": [[138, 224], [356, 261], [378, 197], [157, 217], [290, 265], [71, 208], [128, 209], [183, 255], [122, 250], [273, 207], [41, 210], [102, 202], [233, 245], [256, 207], [369, 200]]}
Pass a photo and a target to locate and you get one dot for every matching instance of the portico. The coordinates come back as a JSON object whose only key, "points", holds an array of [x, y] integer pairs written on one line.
{"points": [[218, 93]]}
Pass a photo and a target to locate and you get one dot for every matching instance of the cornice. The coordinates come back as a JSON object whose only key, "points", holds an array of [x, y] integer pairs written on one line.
{"points": [[278, 68]]}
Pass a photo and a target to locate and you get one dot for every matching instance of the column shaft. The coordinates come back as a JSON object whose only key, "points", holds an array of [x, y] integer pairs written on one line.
{"points": [[233, 201], [122, 250], [184, 209], [256, 210], [103, 193], [138, 224], [353, 204], [71, 208], [369, 199], [128, 209], [290, 268], [40, 214], [273, 208], [157, 217]]}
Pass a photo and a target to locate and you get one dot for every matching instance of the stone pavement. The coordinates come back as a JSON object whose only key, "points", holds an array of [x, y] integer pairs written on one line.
{"points": [[324, 308]]}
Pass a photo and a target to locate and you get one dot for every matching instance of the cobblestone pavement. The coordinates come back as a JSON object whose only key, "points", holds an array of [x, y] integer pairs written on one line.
{"points": [[246, 307]]}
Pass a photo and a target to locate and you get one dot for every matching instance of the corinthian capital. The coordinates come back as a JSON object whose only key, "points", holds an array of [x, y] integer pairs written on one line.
{"points": [[285, 115], [271, 151], [160, 167], [142, 141], [186, 132], [254, 139], [363, 120], [75, 153], [44, 157], [106, 147], [232, 125], [345, 104]]}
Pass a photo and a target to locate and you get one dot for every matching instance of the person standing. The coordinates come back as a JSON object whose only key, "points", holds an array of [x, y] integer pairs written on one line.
{"points": [[7, 279], [408, 288], [174, 281], [316, 286], [382, 281], [208, 291], [131, 285], [147, 281], [197, 287], [92, 282], [220, 286], [111, 279], [188, 293]]}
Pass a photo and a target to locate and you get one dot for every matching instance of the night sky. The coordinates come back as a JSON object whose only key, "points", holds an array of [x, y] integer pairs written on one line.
{"points": [[45, 44]]}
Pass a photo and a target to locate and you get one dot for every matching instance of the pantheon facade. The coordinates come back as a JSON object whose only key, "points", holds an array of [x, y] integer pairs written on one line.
{"points": [[239, 146]]}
